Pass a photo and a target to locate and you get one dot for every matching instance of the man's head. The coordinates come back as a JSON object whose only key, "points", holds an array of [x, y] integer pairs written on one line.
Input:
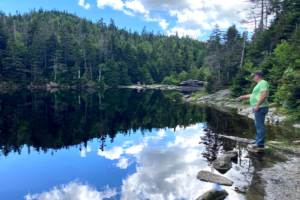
{"points": [[257, 76]]}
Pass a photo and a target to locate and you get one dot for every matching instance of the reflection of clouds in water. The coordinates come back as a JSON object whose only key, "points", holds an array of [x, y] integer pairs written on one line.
{"points": [[111, 154], [135, 149], [187, 140], [161, 133], [123, 163], [73, 191], [83, 151], [166, 174]]}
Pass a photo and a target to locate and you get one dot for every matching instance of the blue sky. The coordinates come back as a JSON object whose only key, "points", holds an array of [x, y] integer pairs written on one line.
{"points": [[193, 17]]}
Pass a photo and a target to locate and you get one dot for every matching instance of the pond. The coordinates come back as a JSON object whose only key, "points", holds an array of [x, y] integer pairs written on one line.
{"points": [[120, 144]]}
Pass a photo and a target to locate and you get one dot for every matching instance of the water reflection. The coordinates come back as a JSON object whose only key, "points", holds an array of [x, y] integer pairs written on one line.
{"points": [[118, 144], [73, 191]]}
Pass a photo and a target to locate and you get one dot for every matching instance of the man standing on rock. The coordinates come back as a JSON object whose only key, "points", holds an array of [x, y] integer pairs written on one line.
{"points": [[260, 106]]}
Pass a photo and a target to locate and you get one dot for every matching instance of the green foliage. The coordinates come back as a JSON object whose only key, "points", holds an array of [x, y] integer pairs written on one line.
{"points": [[61, 47], [170, 81], [209, 83]]}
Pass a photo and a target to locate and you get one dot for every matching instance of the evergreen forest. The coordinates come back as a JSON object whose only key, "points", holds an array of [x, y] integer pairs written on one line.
{"points": [[43, 46]]}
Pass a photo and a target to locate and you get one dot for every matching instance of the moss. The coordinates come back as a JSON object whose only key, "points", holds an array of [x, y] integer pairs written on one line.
{"points": [[246, 102]]}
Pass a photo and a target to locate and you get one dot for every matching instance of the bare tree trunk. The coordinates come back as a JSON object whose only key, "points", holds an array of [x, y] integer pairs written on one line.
{"points": [[243, 51], [262, 16], [99, 74], [91, 70], [84, 61]]}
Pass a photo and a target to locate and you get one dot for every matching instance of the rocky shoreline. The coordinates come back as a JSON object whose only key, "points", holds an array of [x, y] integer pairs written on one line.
{"points": [[222, 101]]}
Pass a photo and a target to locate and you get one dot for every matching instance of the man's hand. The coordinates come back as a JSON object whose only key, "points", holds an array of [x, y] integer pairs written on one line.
{"points": [[256, 108], [241, 97]]}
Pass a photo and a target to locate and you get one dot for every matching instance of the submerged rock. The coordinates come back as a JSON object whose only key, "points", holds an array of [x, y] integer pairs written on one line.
{"points": [[232, 154], [223, 163], [213, 194], [213, 178]]}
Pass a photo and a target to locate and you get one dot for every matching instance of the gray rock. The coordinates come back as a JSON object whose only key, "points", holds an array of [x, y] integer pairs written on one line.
{"points": [[223, 163], [213, 178], [192, 99], [232, 154], [275, 142], [296, 125], [243, 140], [296, 142], [90, 84], [52, 84], [213, 194], [192, 83]]}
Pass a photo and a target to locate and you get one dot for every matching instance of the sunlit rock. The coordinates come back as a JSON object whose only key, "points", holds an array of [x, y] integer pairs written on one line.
{"points": [[213, 194], [213, 178]]}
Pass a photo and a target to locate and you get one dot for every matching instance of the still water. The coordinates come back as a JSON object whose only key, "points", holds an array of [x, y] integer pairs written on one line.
{"points": [[119, 144]]}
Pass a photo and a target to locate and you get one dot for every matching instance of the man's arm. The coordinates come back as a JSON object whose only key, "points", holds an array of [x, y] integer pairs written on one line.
{"points": [[245, 96]]}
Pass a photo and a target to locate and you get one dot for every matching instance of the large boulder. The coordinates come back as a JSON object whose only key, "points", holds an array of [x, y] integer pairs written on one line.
{"points": [[192, 83], [223, 163], [213, 194], [213, 178]]}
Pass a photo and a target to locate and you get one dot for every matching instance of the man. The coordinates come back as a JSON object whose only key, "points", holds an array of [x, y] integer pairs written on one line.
{"points": [[260, 106]]}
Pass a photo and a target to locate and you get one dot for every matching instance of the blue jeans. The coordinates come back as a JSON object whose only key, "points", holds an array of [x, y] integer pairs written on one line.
{"points": [[260, 125]]}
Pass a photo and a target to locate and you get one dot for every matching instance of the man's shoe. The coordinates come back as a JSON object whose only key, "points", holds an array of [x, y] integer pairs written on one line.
{"points": [[255, 146]]}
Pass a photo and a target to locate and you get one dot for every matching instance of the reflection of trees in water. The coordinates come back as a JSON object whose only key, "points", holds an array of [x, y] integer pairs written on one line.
{"points": [[45, 120]]}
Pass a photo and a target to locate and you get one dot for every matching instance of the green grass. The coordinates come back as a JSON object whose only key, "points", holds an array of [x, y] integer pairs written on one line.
{"points": [[198, 95], [246, 102]]}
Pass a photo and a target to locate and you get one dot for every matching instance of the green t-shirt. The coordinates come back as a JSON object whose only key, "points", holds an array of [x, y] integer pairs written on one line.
{"points": [[256, 94]]}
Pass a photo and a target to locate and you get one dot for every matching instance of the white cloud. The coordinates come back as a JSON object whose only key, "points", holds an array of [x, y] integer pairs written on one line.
{"points": [[184, 32], [115, 4], [86, 6], [73, 191], [163, 24], [112, 154], [136, 6]]}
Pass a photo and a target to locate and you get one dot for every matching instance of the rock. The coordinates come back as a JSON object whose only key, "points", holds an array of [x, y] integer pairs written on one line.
{"points": [[48, 85], [296, 142], [232, 154], [90, 84], [243, 140], [192, 83], [54, 85], [213, 194], [296, 125], [223, 163], [275, 142], [246, 111], [186, 96], [213, 178], [192, 99]]}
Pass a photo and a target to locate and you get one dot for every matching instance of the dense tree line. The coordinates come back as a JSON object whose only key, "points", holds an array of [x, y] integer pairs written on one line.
{"points": [[57, 120], [43, 46]]}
